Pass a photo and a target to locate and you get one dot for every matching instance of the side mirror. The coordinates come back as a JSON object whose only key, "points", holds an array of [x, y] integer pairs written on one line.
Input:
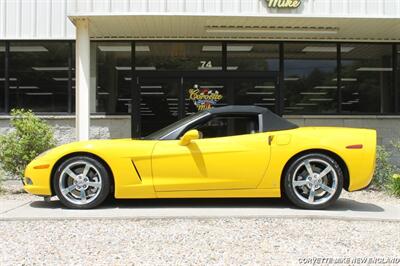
{"points": [[189, 136]]}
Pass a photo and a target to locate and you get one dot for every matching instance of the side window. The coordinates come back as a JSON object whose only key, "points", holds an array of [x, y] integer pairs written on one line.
{"points": [[223, 126]]}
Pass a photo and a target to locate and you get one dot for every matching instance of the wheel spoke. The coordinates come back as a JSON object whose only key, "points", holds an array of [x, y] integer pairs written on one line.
{"points": [[312, 194], [86, 170], [94, 184], [300, 183], [83, 196], [69, 189], [325, 171], [69, 172], [327, 189], [308, 167]]}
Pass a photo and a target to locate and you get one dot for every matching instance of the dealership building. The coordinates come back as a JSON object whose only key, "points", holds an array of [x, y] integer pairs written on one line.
{"points": [[122, 68]]}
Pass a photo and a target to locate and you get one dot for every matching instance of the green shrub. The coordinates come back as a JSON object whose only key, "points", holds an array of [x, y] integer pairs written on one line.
{"points": [[394, 185], [384, 169], [30, 137], [2, 176]]}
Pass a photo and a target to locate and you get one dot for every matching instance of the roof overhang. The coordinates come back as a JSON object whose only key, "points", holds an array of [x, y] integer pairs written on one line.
{"points": [[274, 27]]}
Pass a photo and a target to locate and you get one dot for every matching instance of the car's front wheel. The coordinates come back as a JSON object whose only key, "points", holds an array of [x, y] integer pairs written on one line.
{"points": [[313, 181], [81, 182]]}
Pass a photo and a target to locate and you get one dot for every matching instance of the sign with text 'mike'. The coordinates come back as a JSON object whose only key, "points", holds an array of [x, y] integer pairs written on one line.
{"points": [[283, 3]]}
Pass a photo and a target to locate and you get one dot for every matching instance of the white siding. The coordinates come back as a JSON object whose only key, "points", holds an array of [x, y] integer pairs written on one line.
{"points": [[47, 19]]}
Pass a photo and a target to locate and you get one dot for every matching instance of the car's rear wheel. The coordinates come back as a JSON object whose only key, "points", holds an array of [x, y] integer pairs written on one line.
{"points": [[81, 182], [313, 181]]}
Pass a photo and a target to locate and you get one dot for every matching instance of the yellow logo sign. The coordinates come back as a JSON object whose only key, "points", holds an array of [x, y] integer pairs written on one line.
{"points": [[204, 98], [283, 3]]}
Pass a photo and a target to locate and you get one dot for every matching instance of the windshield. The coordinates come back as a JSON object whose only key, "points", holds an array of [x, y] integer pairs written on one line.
{"points": [[174, 126]]}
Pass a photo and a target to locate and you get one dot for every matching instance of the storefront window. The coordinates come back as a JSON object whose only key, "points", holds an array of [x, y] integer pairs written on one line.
{"points": [[2, 75], [366, 78], [252, 57], [310, 78], [190, 56], [113, 67], [257, 92], [38, 76]]}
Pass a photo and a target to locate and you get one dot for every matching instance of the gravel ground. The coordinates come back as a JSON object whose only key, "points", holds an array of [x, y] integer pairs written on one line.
{"points": [[223, 241], [194, 241]]}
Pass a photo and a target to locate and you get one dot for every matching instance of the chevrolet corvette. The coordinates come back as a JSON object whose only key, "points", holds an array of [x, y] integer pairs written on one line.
{"points": [[232, 151]]}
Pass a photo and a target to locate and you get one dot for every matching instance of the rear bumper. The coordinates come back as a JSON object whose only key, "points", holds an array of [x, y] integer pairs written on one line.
{"points": [[365, 167]]}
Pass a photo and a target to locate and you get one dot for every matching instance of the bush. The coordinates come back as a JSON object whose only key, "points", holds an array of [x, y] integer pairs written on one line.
{"points": [[30, 137], [394, 185], [384, 170], [2, 176]]}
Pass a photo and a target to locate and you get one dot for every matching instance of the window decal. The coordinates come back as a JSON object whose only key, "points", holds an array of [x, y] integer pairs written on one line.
{"points": [[204, 98]]}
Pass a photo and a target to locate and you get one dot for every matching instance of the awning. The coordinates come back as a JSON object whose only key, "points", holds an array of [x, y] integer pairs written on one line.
{"points": [[273, 27]]}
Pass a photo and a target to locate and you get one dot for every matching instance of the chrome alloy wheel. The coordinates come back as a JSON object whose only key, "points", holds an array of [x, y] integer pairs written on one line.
{"points": [[314, 181], [80, 182]]}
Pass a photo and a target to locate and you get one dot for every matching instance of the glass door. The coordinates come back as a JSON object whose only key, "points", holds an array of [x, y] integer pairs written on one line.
{"points": [[159, 104]]}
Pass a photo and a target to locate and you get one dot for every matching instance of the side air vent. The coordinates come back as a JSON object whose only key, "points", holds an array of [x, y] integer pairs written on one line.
{"points": [[137, 172]]}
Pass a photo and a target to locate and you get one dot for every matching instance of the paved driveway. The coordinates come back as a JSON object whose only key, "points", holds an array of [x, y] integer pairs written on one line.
{"points": [[344, 209]]}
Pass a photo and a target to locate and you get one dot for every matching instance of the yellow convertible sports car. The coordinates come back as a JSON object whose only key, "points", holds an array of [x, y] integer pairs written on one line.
{"points": [[232, 151]]}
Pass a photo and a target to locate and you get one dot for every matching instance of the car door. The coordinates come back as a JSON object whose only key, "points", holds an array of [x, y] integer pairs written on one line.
{"points": [[232, 154]]}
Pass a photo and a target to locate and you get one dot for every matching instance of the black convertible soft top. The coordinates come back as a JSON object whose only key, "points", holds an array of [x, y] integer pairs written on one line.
{"points": [[270, 121]]}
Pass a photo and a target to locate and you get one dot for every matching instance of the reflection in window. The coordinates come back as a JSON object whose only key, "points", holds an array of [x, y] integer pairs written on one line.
{"points": [[252, 57], [159, 105], [367, 74], [113, 65], [255, 92], [38, 76], [178, 56], [2, 76], [310, 78]]}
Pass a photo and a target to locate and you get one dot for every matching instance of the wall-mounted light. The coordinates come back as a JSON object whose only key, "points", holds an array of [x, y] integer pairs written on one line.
{"points": [[50, 68], [30, 49], [313, 93], [123, 48], [326, 49], [271, 29], [39, 93], [375, 69], [229, 48], [321, 99]]}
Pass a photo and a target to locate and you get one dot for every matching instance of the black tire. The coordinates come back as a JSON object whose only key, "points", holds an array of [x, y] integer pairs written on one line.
{"points": [[296, 193], [97, 175]]}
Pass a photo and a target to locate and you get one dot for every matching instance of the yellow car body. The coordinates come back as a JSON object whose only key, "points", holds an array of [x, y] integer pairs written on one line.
{"points": [[250, 165]]}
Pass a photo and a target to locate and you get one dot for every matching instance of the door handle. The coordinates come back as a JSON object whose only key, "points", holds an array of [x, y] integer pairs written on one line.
{"points": [[270, 138]]}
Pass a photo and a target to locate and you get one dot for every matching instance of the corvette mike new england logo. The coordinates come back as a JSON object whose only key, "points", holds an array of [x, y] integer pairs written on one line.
{"points": [[204, 98]]}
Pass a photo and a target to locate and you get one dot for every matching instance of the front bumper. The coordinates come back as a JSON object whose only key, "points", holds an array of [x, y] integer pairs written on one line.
{"points": [[37, 178]]}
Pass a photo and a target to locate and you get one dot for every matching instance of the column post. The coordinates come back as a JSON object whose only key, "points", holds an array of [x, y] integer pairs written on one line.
{"points": [[82, 81]]}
